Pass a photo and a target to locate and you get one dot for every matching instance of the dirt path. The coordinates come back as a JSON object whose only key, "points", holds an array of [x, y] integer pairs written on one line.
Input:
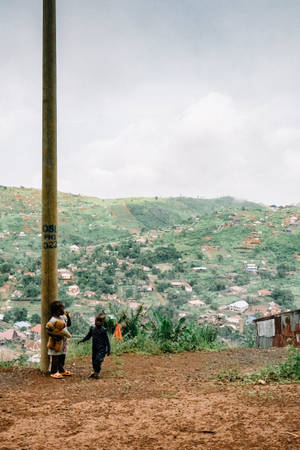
{"points": [[157, 402]]}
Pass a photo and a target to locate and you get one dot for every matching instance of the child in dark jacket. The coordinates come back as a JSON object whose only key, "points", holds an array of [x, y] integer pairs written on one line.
{"points": [[100, 344]]}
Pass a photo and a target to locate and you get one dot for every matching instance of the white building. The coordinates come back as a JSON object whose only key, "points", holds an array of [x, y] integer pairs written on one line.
{"points": [[65, 274], [239, 307], [188, 288], [251, 268], [74, 248]]}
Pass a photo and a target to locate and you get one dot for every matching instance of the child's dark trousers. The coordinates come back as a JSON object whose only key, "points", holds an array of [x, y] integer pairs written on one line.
{"points": [[97, 359], [57, 363]]}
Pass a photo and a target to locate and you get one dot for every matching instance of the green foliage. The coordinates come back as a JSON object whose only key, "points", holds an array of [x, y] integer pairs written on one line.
{"points": [[3, 278], [75, 350], [15, 315], [20, 361], [162, 286], [165, 254], [284, 297], [35, 319], [217, 285], [286, 372], [248, 337], [79, 325], [131, 322]]}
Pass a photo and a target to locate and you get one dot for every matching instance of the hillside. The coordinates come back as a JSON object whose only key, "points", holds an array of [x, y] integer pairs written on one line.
{"points": [[184, 257], [157, 402]]}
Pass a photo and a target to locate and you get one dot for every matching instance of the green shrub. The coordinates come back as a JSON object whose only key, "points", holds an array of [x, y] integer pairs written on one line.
{"points": [[286, 372]]}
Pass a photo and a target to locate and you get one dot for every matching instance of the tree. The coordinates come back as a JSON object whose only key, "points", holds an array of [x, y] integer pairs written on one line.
{"points": [[79, 324], [15, 315], [35, 319], [284, 297], [3, 278]]}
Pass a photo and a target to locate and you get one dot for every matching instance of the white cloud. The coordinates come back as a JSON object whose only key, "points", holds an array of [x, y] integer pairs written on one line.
{"points": [[212, 147]]}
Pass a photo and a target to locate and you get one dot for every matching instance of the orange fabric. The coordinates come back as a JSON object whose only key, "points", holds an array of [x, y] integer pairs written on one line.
{"points": [[118, 333]]}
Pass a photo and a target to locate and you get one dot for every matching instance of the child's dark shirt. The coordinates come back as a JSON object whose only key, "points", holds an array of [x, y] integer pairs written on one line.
{"points": [[100, 339]]}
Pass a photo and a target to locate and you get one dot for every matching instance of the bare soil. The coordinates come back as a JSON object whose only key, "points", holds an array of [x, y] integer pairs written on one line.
{"points": [[150, 402]]}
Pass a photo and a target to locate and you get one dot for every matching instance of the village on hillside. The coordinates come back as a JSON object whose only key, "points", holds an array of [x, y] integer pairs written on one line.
{"points": [[226, 266]]}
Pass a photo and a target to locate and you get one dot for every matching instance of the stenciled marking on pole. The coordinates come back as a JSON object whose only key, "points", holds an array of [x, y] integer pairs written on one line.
{"points": [[49, 236]]}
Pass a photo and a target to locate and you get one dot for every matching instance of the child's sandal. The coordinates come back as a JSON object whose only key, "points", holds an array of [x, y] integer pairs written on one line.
{"points": [[56, 375], [67, 373]]}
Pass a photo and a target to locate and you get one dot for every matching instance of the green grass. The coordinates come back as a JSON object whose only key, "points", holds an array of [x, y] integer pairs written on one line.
{"points": [[287, 372]]}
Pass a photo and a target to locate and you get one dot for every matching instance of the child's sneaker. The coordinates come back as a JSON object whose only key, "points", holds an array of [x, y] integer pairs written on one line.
{"points": [[92, 375]]}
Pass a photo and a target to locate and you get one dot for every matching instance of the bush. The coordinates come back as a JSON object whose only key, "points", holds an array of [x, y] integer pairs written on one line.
{"points": [[286, 372], [284, 297], [15, 315]]}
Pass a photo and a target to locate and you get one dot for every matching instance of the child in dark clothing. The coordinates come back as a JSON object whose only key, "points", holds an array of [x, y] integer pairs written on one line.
{"points": [[101, 344]]}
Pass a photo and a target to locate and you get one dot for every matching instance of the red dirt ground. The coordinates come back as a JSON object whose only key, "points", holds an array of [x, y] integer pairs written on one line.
{"points": [[150, 402]]}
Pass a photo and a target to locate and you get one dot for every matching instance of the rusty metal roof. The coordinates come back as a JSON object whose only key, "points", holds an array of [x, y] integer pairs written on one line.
{"points": [[277, 315]]}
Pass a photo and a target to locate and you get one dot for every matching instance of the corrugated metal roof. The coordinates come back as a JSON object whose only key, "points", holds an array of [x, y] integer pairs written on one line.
{"points": [[277, 315]]}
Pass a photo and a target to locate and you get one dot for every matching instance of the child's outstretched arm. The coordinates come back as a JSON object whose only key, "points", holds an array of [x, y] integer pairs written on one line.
{"points": [[107, 344], [87, 337]]}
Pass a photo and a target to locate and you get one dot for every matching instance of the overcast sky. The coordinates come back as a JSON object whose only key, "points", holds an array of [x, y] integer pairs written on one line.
{"points": [[157, 97]]}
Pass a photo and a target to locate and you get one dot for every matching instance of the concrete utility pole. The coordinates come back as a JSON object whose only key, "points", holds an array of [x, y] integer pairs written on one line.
{"points": [[49, 184]]}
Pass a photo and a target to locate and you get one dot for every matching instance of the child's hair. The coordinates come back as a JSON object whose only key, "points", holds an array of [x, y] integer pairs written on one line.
{"points": [[100, 319], [56, 307]]}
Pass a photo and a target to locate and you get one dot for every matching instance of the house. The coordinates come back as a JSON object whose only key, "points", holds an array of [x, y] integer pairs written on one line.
{"points": [[188, 288], [89, 249], [29, 274], [73, 290], [214, 319], [274, 308], [11, 335], [234, 320], [237, 289], [293, 221], [141, 240], [22, 324], [147, 288], [196, 302], [198, 269], [33, 346], [74, 248], [89, 294], [251, 268], [240, 306], [36, 332], [177, 283], [278, 330], [264, 292], [259, 309], [134, 305], [65, 274]]}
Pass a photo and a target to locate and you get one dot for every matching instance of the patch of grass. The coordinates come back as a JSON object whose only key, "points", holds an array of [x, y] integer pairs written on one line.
{"points": [[20, 361], [77, 351], [287, 372]]}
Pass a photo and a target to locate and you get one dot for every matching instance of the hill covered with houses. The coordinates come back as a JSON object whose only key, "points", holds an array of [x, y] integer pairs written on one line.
{"points": [[220, 261]]}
